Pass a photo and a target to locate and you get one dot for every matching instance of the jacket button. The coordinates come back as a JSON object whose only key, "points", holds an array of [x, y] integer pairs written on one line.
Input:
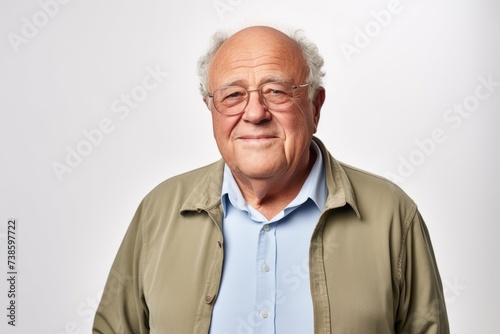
{"points": [[208, 299]]}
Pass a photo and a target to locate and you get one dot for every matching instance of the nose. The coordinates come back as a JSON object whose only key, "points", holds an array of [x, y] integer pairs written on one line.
{"points": [[255, 111]]}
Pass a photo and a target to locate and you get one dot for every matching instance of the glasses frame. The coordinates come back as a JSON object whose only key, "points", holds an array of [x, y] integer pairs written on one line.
{"points": [[261, 98]]}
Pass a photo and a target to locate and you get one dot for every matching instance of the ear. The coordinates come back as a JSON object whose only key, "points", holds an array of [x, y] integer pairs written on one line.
{"points": [[318, 100]]}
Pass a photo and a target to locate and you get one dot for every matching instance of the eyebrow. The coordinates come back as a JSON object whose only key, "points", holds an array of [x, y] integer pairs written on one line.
{"points": [[243, 83]]}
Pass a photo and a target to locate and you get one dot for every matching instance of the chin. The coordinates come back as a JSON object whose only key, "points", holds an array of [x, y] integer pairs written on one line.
{"points": [[259, 171]]}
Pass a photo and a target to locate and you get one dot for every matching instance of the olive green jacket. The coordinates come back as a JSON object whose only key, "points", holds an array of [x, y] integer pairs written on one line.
{"points": [[372, 267]]}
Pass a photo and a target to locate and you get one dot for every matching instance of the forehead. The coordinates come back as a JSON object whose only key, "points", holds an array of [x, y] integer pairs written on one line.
{"points": [[255, 56]]}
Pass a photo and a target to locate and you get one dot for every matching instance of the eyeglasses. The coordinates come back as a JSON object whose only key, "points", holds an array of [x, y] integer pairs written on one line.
{"points": [[232, 100]]}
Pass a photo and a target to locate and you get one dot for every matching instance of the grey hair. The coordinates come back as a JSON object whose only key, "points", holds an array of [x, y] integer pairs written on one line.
{"points": [[310, 52]]}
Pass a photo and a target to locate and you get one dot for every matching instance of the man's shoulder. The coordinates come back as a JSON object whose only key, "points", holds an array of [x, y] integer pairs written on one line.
{"points": [[363, 183], [182, 185], [375, 188]]}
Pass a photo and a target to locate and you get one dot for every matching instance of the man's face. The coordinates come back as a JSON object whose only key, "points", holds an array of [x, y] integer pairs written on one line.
{"points": [[261, 143]]}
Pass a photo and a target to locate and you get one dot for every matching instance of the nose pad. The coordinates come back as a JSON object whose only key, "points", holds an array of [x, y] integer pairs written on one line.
{"points": [[256, 111], [257, 96]]}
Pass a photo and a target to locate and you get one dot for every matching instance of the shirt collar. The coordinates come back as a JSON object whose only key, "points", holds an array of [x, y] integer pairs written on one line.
{"points": [[314, 188]]}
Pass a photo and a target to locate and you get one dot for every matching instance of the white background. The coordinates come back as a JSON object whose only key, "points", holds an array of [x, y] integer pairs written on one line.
{"points": [[62, 78]]}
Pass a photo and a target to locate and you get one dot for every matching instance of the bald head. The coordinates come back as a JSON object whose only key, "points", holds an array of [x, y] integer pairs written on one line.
{"points": [[261, 41], [257, 54], [262, 35]]}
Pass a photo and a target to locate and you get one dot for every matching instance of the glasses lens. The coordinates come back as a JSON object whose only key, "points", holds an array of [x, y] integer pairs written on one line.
{"points": [[230, 100], [277, 95]]}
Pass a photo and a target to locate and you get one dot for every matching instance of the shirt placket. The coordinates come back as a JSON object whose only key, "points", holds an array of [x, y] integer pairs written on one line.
{"points": [[266, 280]]}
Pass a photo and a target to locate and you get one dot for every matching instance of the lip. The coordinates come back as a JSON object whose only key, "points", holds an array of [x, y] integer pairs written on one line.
{"points": [[256, 140], [256, 137]]}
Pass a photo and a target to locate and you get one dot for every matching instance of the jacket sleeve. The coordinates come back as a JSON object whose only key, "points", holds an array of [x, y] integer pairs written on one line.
{"points": [[122, 308], [422, 306]]}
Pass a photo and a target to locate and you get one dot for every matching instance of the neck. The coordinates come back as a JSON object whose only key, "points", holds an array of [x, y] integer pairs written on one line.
{"points": [[270, 196]]}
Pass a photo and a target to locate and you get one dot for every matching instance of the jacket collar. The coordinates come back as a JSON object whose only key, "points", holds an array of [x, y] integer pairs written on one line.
{"points": [[340, 191], [206, 196]]}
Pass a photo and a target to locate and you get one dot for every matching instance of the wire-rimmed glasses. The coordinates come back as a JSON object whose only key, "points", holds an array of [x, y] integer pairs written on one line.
{"points": [[232, 100]]}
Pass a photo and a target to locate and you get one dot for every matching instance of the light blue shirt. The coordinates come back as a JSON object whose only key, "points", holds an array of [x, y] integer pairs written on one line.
{"points": [[265, 279]]}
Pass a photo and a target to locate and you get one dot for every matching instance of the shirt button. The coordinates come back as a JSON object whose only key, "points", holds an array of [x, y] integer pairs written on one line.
{"points": [[266, 227], [208, 299], [264, 314], [265, 268]]}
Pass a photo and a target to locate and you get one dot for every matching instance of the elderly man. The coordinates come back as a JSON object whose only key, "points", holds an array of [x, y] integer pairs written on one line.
{"points": [[277, 237]]}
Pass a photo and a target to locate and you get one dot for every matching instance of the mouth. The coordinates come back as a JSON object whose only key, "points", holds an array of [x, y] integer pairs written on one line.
{"points": [[256, 139]]}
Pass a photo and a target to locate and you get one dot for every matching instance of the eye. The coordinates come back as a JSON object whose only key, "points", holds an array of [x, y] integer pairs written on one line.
{"points": [[275, 92], [275, 89], [233, 95]]}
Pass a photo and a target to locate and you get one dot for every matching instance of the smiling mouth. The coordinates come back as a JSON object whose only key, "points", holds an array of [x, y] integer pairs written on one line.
{"points": [[257, 137], [257, 140]]}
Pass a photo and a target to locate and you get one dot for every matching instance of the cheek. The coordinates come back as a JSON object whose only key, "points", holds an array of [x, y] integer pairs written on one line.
{"points": [[222, 126], [300, 123], [309, 119], [215, 125]]}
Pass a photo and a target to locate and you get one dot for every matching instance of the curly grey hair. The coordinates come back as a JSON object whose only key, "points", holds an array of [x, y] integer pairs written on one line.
{"points": [[309, 51]]}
